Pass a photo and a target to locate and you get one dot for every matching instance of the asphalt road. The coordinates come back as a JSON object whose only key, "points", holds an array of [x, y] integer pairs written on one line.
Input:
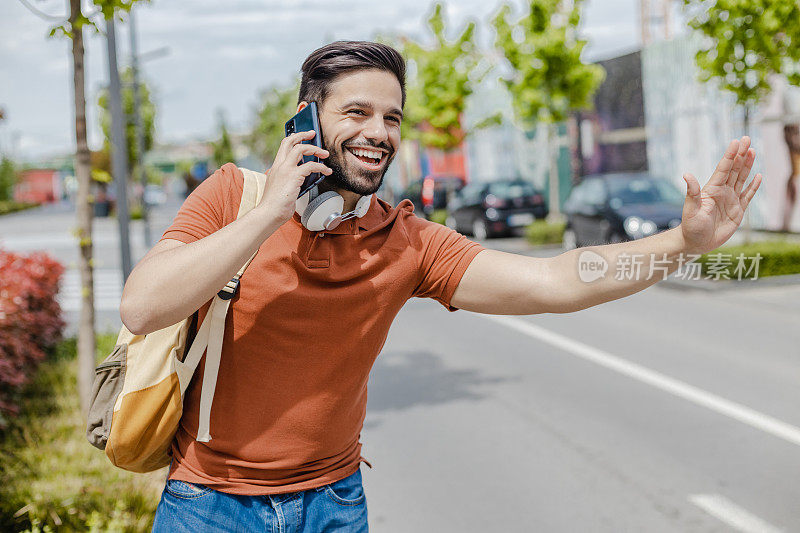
{"points": [[665, 411]]}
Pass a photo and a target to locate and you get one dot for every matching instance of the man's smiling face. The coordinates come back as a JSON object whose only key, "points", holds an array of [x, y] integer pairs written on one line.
{"points": [[360, 120]]}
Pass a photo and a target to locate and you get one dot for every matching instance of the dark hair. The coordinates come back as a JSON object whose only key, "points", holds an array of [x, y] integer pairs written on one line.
{"points": [[326, 63]]}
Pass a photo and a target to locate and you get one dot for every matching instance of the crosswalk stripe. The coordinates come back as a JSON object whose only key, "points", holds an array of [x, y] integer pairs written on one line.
{"points": [[107, 290]]}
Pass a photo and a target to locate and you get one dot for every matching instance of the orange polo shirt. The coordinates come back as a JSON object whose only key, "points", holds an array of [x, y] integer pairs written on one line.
{"points": [[312, 313]]}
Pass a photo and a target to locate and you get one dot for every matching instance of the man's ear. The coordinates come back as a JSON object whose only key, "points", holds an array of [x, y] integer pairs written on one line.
{"points": [[302, 105]]}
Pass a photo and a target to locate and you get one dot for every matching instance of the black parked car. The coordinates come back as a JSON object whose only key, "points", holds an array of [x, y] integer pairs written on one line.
{"points": [[495, 208], [432, 193], [611, 208]]}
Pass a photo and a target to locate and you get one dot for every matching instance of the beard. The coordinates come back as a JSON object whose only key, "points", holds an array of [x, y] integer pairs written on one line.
{"points": [[351, 177]]}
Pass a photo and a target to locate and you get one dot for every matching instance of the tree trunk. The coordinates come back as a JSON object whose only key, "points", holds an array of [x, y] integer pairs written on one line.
{"points": [[746, 227], [553, 150], [83, 209]]}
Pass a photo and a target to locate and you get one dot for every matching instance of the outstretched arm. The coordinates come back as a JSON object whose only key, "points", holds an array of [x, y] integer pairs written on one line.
{"points": [[509, 284]]}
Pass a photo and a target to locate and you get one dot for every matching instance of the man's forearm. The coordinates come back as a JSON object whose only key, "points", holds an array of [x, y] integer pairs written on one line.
{"points": [[596, 274], [169, 286]]}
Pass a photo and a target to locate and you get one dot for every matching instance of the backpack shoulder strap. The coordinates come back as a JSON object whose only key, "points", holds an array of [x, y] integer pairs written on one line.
{"points": [[253, 189], [215, 321], [251, 197]]}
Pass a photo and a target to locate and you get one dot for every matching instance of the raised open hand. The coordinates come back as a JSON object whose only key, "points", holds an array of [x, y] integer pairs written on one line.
{"points": [[712, 214]]}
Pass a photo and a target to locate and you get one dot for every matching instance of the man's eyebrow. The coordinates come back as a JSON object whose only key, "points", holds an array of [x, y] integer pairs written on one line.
{"points": [[367, 105]]}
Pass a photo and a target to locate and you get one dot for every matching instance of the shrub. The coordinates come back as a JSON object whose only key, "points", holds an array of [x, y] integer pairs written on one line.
{"points": [[30, 320], [135, 213], [439, 216], [543, 232], [778, 258], [53, 479], [10, 206]]}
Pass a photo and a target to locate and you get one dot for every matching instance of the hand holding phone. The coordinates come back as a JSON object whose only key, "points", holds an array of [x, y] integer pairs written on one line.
{"points": [[307, 119], [288, 174]]}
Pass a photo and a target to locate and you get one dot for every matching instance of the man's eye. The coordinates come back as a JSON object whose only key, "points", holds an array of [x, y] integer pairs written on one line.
{"points": [[357, 111]]}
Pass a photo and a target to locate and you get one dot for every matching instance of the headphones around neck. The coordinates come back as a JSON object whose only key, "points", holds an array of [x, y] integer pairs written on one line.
{"points": [[323, 211]]}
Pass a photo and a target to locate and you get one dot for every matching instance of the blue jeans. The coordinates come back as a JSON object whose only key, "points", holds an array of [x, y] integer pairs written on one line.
{"points": [[340, 506]]}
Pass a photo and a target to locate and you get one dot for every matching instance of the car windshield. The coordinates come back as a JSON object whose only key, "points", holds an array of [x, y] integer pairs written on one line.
{"points": [[507, 191], [644, 191]]}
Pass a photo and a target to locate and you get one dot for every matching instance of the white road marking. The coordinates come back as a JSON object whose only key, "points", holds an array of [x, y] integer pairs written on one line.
{"points": [[730, 513], [107, 290], [698, 396]]}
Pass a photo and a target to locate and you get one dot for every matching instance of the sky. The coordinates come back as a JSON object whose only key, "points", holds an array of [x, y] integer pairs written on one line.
{"points": [[221, 55]]}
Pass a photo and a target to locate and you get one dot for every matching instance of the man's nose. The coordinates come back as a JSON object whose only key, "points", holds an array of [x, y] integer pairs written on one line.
{"points": [[376, 130]]}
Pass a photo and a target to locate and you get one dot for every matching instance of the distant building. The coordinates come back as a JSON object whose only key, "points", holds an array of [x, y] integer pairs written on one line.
{"points": [[39, 185], [612, 136]]}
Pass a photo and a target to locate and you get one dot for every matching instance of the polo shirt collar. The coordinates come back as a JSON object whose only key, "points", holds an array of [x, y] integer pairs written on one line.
{"points": [[350, 226]]}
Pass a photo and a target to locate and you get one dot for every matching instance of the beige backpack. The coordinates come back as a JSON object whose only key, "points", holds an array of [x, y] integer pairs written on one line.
{"points": [[137, 395]]}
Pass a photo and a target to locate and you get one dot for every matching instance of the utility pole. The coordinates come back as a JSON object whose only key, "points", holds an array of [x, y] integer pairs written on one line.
{"points": [[119, 148], [139, 129]]}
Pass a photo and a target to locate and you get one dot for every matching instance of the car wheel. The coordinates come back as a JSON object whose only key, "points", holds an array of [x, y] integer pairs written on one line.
{"points": [[479, 230], [570, 239], [450, 222]]}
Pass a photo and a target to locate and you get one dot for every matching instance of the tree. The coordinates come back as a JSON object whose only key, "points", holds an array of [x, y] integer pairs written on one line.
{"points": [[443, 77], [146, 108], [548, 79], [745, 43], [222, 149], [278, 104], [72, 28]]}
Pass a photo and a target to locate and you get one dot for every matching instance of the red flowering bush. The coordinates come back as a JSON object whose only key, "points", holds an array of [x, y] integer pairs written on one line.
{"points": [[30, 319]]}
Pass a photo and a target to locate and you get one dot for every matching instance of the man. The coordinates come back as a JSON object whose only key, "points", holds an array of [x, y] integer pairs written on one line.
{"points": [[314, 308]]}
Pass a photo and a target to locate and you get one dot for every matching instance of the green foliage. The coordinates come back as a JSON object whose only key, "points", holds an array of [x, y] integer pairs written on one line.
{"points": [[439, 216], [541, 232], [778, 258], [278, 104], [108, 8], [10, 206], [441, 78], [53, 479], [223, 149], [549, 80], [146, 108], [747, 41], [8, 178]]}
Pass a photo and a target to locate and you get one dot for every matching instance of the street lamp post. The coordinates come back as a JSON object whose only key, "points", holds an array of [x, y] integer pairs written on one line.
{"points": [[119, 148], [137, 117]]}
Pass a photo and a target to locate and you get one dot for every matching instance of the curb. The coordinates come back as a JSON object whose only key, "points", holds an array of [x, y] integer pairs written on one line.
{"points": [[733, 284]]}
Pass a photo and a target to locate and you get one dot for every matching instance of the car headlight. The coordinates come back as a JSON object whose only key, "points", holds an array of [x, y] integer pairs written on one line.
{"points": [[492, 214], [674, 223], [648, 227], [633, 226]]}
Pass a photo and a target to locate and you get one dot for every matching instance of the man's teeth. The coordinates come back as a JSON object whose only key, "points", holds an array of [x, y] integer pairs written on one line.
{"points": [[366, 153]]}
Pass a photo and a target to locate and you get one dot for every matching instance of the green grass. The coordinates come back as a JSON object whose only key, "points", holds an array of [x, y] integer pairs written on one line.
{"points": [[53, 479], [543, 232], [10, 206], [778, 258]]}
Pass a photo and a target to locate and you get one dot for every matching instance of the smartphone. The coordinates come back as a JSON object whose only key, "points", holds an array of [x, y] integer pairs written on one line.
{"points": [[306, 120]]}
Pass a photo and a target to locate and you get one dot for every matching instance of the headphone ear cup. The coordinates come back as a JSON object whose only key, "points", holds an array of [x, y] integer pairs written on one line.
{"points": [[301, 203], [320, 208], [362, 206]]}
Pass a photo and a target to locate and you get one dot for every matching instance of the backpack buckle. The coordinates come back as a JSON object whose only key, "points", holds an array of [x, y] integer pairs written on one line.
{"points": [[229, 290]]}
